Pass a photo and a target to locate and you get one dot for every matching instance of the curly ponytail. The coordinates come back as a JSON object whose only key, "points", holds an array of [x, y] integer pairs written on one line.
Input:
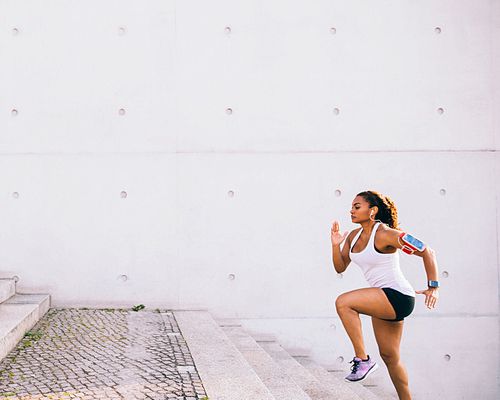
{"points": [[387, 212]]}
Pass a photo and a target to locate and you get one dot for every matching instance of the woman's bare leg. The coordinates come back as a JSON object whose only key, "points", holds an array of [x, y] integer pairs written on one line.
{"points": [[388, 335], [369, 301]]}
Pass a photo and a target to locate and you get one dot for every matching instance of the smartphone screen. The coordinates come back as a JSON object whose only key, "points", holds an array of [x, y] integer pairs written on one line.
{"points": [[414, 242]]}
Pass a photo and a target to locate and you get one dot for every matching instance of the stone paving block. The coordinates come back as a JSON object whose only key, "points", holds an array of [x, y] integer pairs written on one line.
{"points": [[101, 354]]}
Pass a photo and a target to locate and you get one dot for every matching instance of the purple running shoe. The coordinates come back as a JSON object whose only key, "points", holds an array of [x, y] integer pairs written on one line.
{"points": [[361, 369]]}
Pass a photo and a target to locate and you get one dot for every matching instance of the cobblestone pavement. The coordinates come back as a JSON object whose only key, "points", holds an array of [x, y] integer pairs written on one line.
{"points": [[101, 354]]}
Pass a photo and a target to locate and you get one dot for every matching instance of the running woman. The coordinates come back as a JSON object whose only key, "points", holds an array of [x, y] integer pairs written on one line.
{"points": [[374, 248]]}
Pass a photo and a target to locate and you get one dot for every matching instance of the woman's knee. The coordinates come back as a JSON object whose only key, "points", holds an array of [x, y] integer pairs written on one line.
{"points": [[390, 357], [341, 303]]}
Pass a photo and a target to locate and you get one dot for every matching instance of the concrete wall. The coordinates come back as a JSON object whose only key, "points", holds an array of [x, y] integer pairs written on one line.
{"points": [[193, 154]]}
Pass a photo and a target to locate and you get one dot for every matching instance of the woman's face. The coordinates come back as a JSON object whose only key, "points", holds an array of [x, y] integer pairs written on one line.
{"points": [[360, 210]]}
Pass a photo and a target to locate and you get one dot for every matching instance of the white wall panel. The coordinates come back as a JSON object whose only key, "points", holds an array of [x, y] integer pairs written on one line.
{"points": [[274, 232], [283, 73], [495, 62], [175, 70], [70, 233], [69, 71]]}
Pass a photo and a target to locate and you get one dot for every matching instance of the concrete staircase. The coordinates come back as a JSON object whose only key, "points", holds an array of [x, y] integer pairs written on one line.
{"points": [[233, 365], [18, 314]]}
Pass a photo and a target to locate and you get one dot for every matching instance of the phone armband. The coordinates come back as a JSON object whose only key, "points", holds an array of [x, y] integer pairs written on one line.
{"points": [[410, 244]]}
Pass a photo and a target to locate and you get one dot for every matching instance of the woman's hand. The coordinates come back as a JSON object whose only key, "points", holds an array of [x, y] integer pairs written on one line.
{"points": [[337, 237], [431, 297]]}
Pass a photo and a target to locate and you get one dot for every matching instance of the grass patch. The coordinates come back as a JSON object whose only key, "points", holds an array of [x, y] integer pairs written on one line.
{"points": [[34, 335], [30, 338]]}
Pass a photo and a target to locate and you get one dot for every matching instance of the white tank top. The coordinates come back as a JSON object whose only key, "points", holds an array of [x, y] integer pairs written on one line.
{"points": [[380, 270]]}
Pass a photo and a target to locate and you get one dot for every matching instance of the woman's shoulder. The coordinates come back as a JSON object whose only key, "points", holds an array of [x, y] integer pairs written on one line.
{"points": [[385, 231], [353, 233]]}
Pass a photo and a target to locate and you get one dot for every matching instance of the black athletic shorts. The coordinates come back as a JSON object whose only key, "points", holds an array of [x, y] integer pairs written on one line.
{"points": [[402, 303]]}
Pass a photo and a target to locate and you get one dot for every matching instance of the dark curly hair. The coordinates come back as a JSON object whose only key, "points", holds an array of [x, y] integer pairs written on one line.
{"points": [[387, 212]]}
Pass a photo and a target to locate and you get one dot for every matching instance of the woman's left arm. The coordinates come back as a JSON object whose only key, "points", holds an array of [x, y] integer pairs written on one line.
{"points": [[391, 238], [431, 269]]}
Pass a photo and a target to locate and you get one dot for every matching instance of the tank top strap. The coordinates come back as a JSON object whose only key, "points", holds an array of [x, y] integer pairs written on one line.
{"points": [[373, 232], [355, 239]]}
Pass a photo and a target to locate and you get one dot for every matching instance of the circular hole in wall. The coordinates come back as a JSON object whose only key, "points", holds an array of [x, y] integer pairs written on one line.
{"points": [[336, 111], [15, 195], [123, 194], [122, 30], [227, 29], [445, 274], [121, 111], [442, 192], [230, 193], [340, 276], [229, 111], [437, 29], [15, 31], [333, 30], [123, 278], [14, 112], [340, 359], [447, 357], [15, 278], [440, 110], [338, 193], [231, 277]]}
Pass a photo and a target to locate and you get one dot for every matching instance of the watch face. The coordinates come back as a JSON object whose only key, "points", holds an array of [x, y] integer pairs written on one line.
{"points": [[433, 283]]}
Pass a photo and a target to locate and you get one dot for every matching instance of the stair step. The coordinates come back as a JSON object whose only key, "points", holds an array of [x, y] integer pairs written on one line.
{"points": [[7, 289], [299, 374], [334, 381], [368, 388], [277, 381], [225, 373], [380, 384], [18, 315]]}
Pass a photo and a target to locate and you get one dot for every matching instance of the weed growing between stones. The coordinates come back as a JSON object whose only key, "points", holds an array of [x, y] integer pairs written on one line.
{"points": [[30, 338]]}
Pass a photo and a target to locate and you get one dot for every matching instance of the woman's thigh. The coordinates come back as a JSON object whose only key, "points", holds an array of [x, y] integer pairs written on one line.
{"points": [[388, 335], [368, 301]]}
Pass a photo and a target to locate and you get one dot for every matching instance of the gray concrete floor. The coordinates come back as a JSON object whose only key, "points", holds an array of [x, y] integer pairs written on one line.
{"points": [[101, 354]]}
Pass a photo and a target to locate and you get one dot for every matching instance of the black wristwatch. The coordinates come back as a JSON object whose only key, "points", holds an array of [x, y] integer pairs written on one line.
{"points": [[433, 284]]}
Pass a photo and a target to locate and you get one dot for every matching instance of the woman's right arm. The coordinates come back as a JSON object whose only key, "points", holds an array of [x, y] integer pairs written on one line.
{"points": [[340, 257]]}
